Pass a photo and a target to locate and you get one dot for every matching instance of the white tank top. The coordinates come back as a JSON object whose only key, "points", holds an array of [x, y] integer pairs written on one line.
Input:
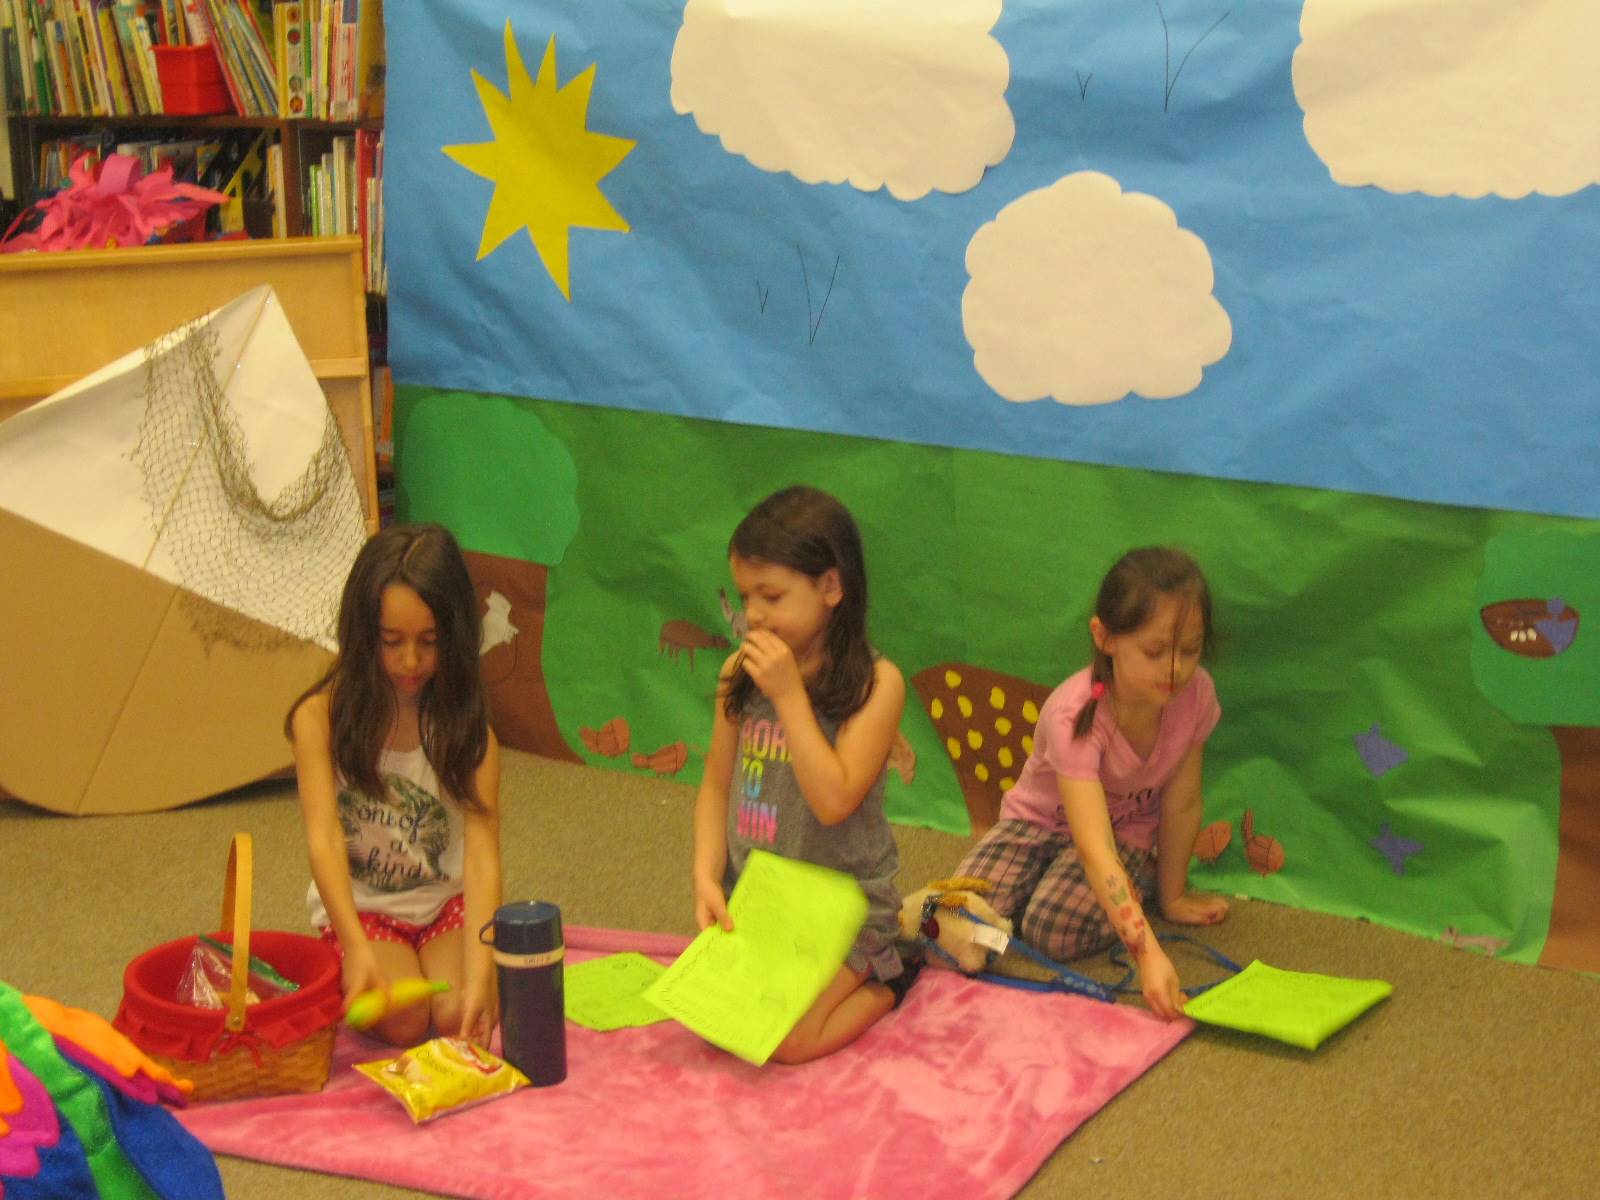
{"points": [[404, 848]]}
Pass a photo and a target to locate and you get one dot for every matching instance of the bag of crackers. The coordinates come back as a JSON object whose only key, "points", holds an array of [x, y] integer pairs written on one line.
{"points": [[443, 1076]]}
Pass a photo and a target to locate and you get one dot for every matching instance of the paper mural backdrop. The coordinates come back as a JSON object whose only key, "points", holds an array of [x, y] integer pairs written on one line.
{"points": [[1027, 284]]}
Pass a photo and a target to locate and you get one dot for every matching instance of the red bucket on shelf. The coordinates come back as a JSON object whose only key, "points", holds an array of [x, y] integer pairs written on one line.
{"points": [[191, 81]]}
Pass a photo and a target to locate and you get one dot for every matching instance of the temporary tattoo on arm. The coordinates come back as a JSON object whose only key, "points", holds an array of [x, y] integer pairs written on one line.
{"points": [[1126, 918]]}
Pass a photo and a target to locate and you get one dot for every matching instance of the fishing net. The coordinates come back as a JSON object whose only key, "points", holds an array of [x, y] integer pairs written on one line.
{"points": [[256, 572]]}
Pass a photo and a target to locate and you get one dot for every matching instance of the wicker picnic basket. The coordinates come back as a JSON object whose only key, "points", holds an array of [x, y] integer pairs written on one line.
{"points": [[280, 1045]]}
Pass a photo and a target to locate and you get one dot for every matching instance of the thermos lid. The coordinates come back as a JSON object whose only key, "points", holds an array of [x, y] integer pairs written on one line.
{"points": [[527, 927]]}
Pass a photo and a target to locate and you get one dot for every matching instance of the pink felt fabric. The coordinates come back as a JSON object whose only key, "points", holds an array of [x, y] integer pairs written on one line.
{"points": [[34, 1127], [959, 1094]]}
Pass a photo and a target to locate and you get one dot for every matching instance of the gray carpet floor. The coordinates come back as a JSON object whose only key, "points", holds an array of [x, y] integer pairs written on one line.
{"points": [[1477, 1078]]}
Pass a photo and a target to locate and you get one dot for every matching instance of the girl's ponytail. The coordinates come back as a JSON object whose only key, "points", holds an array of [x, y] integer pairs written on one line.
{"points": [[1097, 688]]}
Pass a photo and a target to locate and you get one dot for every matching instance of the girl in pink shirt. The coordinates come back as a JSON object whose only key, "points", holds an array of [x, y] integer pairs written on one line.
{"points": [[1108, 804]]}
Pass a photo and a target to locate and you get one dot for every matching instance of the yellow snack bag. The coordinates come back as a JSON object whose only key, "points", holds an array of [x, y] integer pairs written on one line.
{"points": [[443, 1076]]}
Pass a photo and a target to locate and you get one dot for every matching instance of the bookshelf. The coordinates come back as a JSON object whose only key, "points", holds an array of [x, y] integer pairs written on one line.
{"points": [[276, 102], [29, 133]]}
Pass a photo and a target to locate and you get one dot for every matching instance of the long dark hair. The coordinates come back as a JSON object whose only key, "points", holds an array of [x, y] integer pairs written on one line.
{"points": [[809, 531], [453, 711], [1128, 595]]}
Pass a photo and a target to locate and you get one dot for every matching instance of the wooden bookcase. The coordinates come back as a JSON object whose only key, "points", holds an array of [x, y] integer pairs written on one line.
{"points": [[29, 132], [63, 315]]}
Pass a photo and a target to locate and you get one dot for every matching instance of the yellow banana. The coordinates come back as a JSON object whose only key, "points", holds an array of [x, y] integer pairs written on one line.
{"points": [[368, 1008]]}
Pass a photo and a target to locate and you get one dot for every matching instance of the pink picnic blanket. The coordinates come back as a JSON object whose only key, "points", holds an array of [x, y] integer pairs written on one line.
{"points": [[959, 1094]]}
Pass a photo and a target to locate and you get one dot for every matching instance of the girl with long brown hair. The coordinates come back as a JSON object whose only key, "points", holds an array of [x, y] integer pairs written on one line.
{"points": [[399, 777]]}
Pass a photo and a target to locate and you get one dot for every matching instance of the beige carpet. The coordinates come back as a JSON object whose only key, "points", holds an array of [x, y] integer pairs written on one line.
{"points": [[1476, 1078]]}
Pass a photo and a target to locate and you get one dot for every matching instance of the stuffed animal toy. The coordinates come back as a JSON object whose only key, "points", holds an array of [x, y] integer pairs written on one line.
{"points": [[933, 913]]}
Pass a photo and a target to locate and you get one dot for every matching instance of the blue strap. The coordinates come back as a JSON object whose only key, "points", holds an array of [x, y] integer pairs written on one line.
{"points": [[1119, 958], [1065, 979]]}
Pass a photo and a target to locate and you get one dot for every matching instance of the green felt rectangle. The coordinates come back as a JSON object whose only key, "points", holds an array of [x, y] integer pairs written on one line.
{"points": [[1296, 1007], [608, 993]]}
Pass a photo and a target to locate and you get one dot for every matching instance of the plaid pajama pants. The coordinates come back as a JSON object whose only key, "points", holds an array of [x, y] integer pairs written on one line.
{"points": [[1039, 882]]}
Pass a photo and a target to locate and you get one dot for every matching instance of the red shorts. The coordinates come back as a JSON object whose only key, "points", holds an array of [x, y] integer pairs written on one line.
{"points": [[380, 928]]}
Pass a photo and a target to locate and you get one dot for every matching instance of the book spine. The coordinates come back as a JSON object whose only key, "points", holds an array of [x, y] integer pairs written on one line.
{"points": [[216, 34], [257, 58], [11, 61], [99, 77], [116, 69], [76, 68], [371, 67], [294, 58], [280, 212], [61, 66], [194, 22], [147, 64], [43, 81]]}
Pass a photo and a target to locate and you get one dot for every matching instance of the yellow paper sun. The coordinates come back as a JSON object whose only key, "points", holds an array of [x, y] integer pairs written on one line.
{"points": [[545, 165]]}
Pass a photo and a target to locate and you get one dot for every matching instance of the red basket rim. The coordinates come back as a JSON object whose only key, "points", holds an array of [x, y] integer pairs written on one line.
{"points": [[324, 985]]}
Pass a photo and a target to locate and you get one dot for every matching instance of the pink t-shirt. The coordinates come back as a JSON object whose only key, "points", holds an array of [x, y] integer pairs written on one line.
{"points": [[1132, 785]]}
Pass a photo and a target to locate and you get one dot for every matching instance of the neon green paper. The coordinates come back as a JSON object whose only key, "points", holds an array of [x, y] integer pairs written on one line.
{"points": [[608, 993], [1297, 1007], [793, 925]]}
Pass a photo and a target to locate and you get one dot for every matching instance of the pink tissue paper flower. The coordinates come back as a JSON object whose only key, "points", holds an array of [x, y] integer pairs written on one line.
{"points": [[118, 205]]}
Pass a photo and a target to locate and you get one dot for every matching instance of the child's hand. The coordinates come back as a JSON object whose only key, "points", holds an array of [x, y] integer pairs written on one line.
{"points": [[361, 973], [479, 1013], [1158, 980], [770, 664], [1195, 908], [710, 906]]}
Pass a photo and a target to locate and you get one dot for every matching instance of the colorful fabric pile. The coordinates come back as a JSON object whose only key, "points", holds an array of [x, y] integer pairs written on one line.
{"points": [[81, 1112]]}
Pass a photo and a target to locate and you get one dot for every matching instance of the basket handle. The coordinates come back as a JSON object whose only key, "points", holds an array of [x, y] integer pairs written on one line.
{"points": [[236, 915]]}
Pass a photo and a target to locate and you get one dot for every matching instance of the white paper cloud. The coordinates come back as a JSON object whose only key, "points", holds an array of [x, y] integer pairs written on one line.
{"points": [[1084, 293], [903, 94], [1453, 97]]}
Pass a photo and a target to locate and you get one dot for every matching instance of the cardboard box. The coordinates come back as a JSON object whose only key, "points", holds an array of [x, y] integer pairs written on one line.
{"points": [[113, 702]]}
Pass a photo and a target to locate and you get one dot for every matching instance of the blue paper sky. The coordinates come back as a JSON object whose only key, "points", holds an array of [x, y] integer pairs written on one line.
{"points": [[1436, 349]]}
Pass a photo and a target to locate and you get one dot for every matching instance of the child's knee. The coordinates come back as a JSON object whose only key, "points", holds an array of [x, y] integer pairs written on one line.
{"points": [[793, 1051], [1063, 941], [406, 1027], [447, 1013]]}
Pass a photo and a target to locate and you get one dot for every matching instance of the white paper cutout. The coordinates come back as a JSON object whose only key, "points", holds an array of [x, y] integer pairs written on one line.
{"points": [[903, 94], [1452, 97], [1084, 293]]}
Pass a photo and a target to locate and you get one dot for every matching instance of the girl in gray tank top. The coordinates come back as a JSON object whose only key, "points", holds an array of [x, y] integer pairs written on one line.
{"points": [[806, 715]]}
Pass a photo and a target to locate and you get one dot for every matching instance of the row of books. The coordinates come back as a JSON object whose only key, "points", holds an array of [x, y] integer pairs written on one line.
{"points": [[342, 190], [99, 58], [344, 194], [232, 162], [213, 162], [330, 59], [84, 57]]}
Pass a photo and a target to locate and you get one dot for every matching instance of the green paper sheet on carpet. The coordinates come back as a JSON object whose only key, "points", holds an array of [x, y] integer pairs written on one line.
{"points": [[1297, 1007]]}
